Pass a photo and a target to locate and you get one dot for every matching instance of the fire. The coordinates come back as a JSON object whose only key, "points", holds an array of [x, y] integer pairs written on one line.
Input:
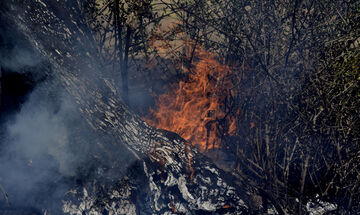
{"points": [[195, 107]]}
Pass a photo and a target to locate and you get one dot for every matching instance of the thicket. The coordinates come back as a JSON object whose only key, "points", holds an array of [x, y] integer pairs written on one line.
{"points": [[295, 71]]}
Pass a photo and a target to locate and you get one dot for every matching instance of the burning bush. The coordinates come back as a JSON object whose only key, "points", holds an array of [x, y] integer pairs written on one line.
{"points": [[196, 107]]}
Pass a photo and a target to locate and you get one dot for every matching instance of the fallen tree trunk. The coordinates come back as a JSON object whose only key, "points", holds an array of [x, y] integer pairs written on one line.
{"points": [[169, 176]]}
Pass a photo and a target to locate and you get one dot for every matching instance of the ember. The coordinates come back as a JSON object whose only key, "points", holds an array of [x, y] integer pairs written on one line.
{"points": [[195, 107]]}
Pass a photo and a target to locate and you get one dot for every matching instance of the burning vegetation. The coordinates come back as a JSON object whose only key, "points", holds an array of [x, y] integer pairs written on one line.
{"points": [[196, 107]]}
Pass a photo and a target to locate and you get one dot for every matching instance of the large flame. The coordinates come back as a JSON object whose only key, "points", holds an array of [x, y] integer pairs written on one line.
{"points": [[195, 107]]}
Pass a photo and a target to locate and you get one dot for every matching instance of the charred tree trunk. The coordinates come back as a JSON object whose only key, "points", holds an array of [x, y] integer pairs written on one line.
{"points": [[123, 51], [124, 69], [169, 175]]}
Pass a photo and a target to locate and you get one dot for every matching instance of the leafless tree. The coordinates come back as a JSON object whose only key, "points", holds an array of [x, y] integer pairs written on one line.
{"points": [[121, 30]]}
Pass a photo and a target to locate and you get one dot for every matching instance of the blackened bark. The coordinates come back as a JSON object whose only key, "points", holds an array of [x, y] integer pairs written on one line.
{"points": [[123, 51], [124, 70], [169, 175]]}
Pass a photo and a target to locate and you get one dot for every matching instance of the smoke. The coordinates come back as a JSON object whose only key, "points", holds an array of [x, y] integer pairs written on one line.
{"points": [[36, 143], [35, 150], [40, 129], [46, 146], [16, 53], [19, 57]]}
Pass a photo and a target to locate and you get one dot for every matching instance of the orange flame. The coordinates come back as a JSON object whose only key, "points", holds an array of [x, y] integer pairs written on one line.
{"points": [[195, 106]]}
